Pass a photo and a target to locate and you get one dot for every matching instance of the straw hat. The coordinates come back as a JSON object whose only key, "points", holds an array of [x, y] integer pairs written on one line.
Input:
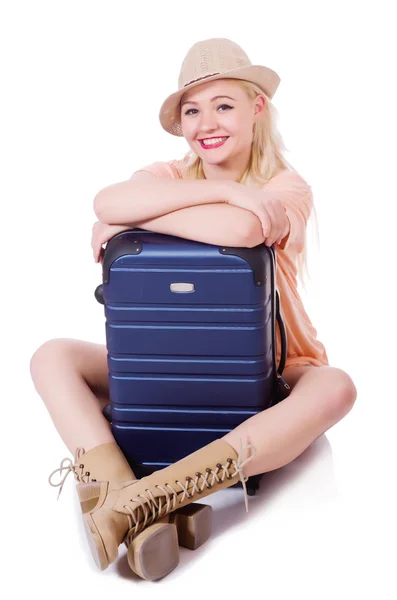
{"points": [[216, 58]]}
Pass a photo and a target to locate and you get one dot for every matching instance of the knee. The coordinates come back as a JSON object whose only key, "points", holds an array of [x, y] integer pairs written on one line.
{"points": [[342, 394], [48, 352]]}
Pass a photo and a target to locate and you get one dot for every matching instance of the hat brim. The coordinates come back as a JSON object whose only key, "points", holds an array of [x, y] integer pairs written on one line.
{"points": [[263, 77]]}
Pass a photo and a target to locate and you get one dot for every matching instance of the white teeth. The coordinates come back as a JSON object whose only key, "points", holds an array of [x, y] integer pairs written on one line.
{"points": [[213, 141]]}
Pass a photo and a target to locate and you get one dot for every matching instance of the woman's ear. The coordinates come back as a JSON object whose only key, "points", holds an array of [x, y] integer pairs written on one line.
{"points": [[259, 106]]}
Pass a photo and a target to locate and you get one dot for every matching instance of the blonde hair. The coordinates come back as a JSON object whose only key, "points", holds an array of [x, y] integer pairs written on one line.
{"points": [[266, 160]]}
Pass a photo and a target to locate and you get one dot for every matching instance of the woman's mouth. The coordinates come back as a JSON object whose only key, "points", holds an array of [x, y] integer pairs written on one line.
{"points": [[213, 142]]}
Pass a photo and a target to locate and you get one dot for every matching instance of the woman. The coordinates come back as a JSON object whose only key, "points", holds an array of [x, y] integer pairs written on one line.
{"points": [[234, 188]]}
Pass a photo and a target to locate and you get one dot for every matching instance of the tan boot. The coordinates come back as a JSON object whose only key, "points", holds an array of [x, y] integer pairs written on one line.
{"points": [[106, 466], [125, 510]]}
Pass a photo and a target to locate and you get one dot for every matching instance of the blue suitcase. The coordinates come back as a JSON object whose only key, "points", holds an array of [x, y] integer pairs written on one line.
{"points": [[190, 335]]}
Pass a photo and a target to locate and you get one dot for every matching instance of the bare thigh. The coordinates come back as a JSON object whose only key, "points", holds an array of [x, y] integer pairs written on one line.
{"points": [[89, 359]]}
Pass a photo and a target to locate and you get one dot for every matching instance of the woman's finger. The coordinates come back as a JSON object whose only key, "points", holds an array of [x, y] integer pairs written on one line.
{"points": [[277, 217], [97, 249], [274, 228], [262, 215]]}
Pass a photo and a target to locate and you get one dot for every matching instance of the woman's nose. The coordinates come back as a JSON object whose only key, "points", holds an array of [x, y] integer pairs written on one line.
{"points": [[208, 121]]}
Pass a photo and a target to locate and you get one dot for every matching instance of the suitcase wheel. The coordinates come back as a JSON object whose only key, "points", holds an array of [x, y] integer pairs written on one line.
{"points": [[99, 294], [253, 485], [107, 412]]}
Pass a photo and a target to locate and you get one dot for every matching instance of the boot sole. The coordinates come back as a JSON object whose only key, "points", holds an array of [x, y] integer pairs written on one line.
{"points": [[96, 544], [154, 553]]}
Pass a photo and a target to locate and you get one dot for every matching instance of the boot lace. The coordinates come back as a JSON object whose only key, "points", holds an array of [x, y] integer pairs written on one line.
{"points": [[152, 507], [69, 466]]}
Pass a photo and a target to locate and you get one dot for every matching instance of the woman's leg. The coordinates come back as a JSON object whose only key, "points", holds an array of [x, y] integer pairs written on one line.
{"points": [[71, 376], [320, 397]]}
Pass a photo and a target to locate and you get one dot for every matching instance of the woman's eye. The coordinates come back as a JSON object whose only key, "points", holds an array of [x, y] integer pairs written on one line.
{"points": [[220, 106]]}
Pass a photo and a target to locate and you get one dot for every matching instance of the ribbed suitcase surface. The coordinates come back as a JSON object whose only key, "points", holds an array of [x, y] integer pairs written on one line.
{"points": [[190, 334]]}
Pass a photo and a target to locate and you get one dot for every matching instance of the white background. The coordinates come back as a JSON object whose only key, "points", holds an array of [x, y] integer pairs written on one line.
{"points": [[82, 83]]}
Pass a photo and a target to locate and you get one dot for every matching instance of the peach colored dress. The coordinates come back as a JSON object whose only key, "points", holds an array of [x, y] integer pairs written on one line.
{"points": [[296, 196]]}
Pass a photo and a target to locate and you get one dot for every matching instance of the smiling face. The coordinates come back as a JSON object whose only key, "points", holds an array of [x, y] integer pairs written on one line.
{"points": [[220, 109]]}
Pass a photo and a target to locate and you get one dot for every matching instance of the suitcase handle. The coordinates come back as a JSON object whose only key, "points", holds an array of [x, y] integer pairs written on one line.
{"points": [[282, 388], [283, 335]]}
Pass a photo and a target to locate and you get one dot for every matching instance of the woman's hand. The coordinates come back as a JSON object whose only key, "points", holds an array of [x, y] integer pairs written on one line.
{"points": [[265, 206], [101, 234]]}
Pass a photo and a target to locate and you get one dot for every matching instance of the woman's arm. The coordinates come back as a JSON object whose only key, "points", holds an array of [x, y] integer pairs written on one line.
{"points": [[145, 196], [219, 224]]}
